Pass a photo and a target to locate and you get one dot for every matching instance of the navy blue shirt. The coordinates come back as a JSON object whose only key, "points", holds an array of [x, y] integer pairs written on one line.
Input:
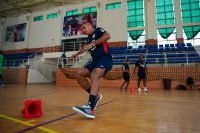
{"points": [[99, 50], [126, 68], [142, 66], [63, 56]]}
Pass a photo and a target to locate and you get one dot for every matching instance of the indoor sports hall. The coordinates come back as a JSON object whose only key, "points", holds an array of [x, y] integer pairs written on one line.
{"points": [[63, 65]]}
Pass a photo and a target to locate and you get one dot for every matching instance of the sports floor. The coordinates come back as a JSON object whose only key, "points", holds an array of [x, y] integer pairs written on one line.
{"points": [[158, 111]]}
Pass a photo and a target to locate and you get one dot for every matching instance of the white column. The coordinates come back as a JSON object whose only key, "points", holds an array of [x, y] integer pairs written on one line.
{"points": [[150, 19], [178, 19]]}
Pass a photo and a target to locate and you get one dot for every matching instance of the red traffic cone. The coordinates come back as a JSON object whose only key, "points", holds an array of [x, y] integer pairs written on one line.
{"points": [[32, 109]]}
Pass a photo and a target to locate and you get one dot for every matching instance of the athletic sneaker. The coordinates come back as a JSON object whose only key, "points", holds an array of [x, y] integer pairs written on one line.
{"points": [[145, 89], [99, 97], [85, 110], [139, 90]]}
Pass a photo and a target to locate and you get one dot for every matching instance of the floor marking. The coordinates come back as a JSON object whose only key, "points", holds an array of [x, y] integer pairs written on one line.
{"points": [[27, 124], [60, 118], [30, 121]]}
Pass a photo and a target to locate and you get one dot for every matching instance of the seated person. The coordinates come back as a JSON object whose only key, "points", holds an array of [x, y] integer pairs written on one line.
{"points": [[190, 82], [1, 81]]}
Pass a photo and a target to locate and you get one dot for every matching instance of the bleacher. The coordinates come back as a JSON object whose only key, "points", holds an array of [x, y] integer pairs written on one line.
{"points": [[14, 60], [179, 53]]}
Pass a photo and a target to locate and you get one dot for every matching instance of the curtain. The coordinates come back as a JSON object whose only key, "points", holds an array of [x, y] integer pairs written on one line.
{"points": [[165, 32], [135, 34], [191, 31]]}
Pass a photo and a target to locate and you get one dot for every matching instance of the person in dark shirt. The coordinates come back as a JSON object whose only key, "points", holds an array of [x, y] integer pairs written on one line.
{"points": [[1, 70], [142, 72], [190, 82], [126, 75], [64, 59], [1, 81], [101, 63]]}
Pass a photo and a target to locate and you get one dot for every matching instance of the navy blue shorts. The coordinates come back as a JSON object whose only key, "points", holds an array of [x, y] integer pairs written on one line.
{"points": [[126, 76], [104, 63], [141, 75]]}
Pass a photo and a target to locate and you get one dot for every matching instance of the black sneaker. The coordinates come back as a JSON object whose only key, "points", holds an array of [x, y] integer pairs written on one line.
{"points": [[99, 97], [85, 110]]}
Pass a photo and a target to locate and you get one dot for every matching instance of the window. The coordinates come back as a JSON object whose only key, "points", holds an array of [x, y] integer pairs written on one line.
{"points": [[190, 11], [135, 18], [113, 6], [190, 14], [38, 18], [89, 9], [169, 40], [52, 15], [71, 13], [135, 13], [165, 12], [165, 16], [138, 42]]}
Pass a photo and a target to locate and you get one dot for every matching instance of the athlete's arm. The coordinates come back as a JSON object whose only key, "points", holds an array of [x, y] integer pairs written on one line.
{"points": [[146, 70], [123, 68], [82, 50], [135, 68], [103, 38]]}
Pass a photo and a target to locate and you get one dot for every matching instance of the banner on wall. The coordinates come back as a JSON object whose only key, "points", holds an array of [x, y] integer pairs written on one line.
{"points": [[15, 33], [71, 24]]}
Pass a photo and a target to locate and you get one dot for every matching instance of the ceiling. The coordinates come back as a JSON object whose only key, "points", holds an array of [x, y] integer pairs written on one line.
{"points": [[18, 7]]}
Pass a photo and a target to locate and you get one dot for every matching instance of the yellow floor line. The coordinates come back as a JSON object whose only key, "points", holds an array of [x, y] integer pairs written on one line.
{"points": [[30, 121], [28, 124]]}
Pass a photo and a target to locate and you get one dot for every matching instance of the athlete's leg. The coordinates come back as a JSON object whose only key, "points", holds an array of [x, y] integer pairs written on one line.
{"points": [[122, 86], [127, 84], [138, 83], [95, 76], [81, 75], [145, 82], [88, 110]]}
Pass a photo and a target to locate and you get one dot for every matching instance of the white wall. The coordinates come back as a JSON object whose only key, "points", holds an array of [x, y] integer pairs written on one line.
{"points": [[114, 21], [14, 21], [49, 32], [46, 32]]}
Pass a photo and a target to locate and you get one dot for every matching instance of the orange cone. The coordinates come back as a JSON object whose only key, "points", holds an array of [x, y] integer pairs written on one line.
{"points": [[32, 109], [132, 89]]}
